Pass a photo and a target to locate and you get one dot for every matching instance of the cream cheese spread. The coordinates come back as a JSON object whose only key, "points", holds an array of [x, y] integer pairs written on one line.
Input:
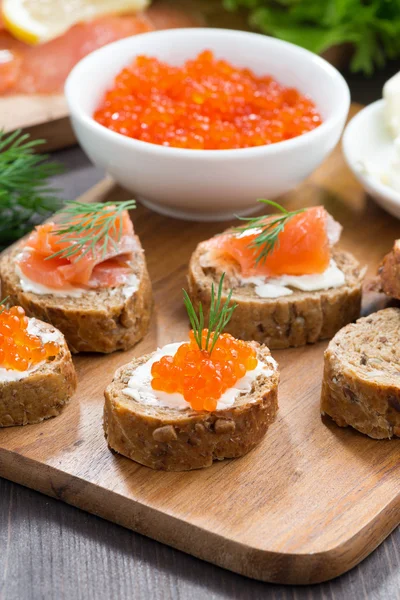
{"points": [[274, 287], [129, 287], [139, 385], [8, 375], [387, 169], [391, 95]]}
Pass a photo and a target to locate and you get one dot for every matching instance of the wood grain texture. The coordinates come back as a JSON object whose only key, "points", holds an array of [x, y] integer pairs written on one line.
{"points": [[309, 503], [53, 551], [50, 550], [42, 116]]}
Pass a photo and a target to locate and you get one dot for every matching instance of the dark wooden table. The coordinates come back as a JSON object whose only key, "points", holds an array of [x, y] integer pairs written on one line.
{"points": [[49, 550]]}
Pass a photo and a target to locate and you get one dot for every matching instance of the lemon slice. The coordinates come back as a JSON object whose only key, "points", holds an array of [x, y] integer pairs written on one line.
{"points": [[38, 21]]}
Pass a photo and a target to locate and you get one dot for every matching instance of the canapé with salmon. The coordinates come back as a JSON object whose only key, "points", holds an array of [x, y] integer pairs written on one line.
{"points": [[291, 283], [86, 275]]}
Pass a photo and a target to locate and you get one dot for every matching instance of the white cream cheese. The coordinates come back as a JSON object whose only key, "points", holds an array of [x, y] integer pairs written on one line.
{"points": [[139, 385], [392, 176], [274, 287], [391, 95], [387, 169], [8, 375], [129, 287]]}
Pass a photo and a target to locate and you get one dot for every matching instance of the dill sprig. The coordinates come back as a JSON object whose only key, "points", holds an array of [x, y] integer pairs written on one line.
{"points": [[3, 304], [91, 228], [219, 316], [26, 198], [270, 226]]}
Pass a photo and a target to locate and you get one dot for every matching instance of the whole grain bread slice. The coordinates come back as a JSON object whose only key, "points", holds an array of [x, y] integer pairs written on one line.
{"points": [[361, 383], [295, 320], [103, 320], [43, 393], [181, 440]]}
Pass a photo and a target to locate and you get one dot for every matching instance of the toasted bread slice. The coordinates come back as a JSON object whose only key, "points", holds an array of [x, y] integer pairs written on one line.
{"points": [[43, 392], [389, 273], [102, 320], [295, 320], [169, 439], [361, 385]]}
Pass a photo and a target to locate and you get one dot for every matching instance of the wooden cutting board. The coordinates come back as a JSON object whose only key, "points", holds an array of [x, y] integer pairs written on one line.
{"points": [[308, 504]]}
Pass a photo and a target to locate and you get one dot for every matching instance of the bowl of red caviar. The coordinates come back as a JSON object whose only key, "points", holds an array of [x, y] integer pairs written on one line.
{"points": [[198, 123]]}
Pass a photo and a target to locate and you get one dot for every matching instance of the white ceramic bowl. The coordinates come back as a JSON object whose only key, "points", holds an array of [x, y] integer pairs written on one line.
{"points": [[208, 184], [367, 143]]}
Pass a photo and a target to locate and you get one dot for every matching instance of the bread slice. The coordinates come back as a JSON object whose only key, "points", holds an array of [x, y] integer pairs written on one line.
{"points": [[389, 273], [295, 320], [99, 321], [361, 384], [180, 440], [42, 393]]}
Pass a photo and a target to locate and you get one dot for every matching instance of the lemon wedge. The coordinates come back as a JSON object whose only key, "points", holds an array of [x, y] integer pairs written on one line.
{"points": [[38, 21]]}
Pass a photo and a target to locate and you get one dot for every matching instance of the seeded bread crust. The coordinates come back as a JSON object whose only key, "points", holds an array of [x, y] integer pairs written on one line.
{"points": [[389, 273], [361, 383], [99, 321], [42, 394], [174, 440], [289, 321]]}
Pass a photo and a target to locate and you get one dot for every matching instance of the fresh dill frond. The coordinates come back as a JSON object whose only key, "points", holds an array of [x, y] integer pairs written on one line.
{"points": [[3, 304], [219, 317], [26, 198], [269, 227], [90, 228]]}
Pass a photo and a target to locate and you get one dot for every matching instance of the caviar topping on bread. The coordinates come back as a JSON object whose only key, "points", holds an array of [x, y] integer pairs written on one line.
{"points": [[194, 402], [361, 384], [37, 377], [86, 275], [291, 284]]}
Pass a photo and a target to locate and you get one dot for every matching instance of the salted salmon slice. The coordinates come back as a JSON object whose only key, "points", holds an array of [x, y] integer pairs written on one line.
{"points": [[303, 247], [43, 69], [93, 270]]}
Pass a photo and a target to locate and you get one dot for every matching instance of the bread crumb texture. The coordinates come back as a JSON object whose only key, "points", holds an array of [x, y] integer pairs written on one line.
{"points": [[361, 383], [42, 394], [180, 440], [99, 321], [288, 321]]}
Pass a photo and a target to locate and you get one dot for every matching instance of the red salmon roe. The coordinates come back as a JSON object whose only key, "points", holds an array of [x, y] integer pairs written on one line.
{"points": [[202, 377], [20, 350], [204, 104]]}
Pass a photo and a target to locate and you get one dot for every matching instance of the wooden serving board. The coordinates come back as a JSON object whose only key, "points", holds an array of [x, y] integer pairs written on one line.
{"points": [[308, 504]]}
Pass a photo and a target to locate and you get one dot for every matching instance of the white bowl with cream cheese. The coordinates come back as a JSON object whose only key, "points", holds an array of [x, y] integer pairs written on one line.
{"points": [[371, 147]]}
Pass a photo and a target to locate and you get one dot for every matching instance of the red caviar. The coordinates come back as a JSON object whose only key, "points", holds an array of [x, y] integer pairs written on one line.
{"points": [[204, 104], [202, 377], [19, 349]]}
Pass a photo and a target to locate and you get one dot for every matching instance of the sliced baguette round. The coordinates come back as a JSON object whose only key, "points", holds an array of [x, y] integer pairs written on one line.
{"points": [[361, 383], [169, 439], [103, 320], [295, 320], [42, 393]]}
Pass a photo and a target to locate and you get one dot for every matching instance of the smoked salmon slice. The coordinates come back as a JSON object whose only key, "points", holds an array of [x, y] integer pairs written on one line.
{"points": [[43, 69], [303, 247], [103, 267]]}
